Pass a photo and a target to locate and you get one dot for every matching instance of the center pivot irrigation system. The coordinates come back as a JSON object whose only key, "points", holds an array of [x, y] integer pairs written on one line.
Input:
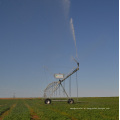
{"points": [[53, 87]]}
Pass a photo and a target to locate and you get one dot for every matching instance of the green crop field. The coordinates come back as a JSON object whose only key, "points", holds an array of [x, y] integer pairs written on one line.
{"points": [[94, 108]]}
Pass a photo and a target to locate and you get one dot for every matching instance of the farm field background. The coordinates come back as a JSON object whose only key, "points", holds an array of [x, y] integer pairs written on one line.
{"points": [[88, 108]]}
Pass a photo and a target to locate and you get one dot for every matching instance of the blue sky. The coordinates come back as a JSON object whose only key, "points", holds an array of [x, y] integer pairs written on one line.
{"points": [[37, 33]]}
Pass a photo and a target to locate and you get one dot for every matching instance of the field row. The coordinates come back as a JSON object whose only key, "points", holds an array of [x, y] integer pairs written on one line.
{"points": [[35, 109]]}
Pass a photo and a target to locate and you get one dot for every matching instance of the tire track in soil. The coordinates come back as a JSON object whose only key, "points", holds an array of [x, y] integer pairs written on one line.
{"points": [[62, 113], [33, 115], [7, 112]]}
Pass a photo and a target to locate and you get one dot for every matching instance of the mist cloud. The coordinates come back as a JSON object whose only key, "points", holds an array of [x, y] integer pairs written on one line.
{"points": [[73, 33], [66, 7]]}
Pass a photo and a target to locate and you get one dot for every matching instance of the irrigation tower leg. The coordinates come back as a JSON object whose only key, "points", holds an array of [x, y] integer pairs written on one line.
{"points": [[64, 90], [77, 86]]}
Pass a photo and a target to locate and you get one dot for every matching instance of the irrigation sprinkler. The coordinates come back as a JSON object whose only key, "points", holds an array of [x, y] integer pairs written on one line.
{"points": [[54, 86]]}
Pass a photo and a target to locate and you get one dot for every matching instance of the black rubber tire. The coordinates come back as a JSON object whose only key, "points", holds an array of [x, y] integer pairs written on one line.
{"points": [[47, 101], [70, 101]]}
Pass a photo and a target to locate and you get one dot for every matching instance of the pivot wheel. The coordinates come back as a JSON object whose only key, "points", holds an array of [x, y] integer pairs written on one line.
{"points": [[47, 101], [70, 101]]}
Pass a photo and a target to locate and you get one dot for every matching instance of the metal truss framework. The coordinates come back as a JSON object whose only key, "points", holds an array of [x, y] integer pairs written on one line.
{"points": [[52, 87]]}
